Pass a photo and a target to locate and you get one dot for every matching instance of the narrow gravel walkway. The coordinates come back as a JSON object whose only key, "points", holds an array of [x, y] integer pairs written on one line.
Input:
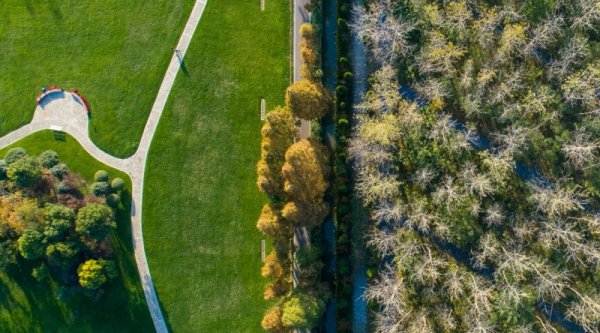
{"points": [[67, 115]]}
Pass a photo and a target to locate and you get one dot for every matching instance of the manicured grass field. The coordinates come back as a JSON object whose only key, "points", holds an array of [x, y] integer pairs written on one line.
{"points": [[201, 202], [30, 306], [115, 52]]}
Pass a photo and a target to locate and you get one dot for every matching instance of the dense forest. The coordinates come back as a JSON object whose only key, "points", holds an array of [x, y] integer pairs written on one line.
{"points": [[54, 226], [476, 152]]}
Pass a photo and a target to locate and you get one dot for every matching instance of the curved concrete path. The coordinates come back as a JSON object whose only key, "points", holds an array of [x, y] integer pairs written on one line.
{"points": [[66, 114]]}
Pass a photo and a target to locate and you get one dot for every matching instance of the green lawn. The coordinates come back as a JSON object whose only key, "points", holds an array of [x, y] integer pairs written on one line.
{"points": [[115, 52], [29, 306], [201, 202]]}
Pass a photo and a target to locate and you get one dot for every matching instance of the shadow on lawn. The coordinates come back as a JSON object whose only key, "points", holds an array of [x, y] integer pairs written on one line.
{"points": [[182, 66]]}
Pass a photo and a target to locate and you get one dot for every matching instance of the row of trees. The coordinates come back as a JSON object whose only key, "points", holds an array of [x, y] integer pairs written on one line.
{"points": [[294, 176], [49, 219], [484, 237]]}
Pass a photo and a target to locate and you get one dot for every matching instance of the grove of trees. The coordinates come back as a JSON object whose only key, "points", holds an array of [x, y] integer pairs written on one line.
{"points": [[476, 152], [53, 225], [294, 175]]}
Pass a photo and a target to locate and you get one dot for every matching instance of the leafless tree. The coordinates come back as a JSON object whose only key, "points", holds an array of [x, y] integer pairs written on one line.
{"points": [[494, 215], [448, 195], [500, 167], [558, 234], [383, 241], [431, 89], [572, 54], [390, 293], [439, 55], [480, 305], [384, 96], [486, 251], [514, 139], [423, 177], [556, 199], [389, 212], [588, 16], [385, 33], [420, 218], [586, 311], [374, 187], [582, 88], [476, 183], [544, 35], [455, 283], [581, 151], [428, 268]]}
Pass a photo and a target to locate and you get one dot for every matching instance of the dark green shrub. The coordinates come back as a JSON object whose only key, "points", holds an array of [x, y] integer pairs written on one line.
{"points": [[101, 176], [348, 76], [100, 188], [343, 124], [341, 90], [14, 154], [48, 159], [59, 170], [40, 273], [117, 184], [113, 200], [3, 168], [25, 172], [63, 188]]}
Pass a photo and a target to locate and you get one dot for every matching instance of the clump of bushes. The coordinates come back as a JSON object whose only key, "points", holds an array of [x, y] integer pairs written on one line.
{"points": [[50, 224]]}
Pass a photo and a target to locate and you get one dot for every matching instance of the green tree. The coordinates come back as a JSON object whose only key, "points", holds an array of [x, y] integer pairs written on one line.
{"points": [[93, 273], [117, 184], [48, 159], [302, 311], [100, 188], [31, 244], [307, 100], [59, 220], [95, 221], [101, 176], [14, 154], [25, 172]]}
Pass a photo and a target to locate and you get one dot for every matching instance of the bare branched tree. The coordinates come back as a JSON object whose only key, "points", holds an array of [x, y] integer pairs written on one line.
{"points": [[562, 236], [383, 241], [383, 31], [544, 35], [556, 199], [586, 311], [494, 215], [476, 183], [581, 151], [571, 55], [588, 16]]}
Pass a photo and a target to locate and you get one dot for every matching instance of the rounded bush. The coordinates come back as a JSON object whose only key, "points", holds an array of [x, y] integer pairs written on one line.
{"points": [[348, 76], [3, 168], [101, 176], [48, 159], [117, 184], [113, 200], [100, 188], [15, 154], [63, 188], [59, 170]]}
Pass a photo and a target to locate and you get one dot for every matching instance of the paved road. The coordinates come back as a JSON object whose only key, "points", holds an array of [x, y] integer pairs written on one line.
{"points": [[301, 16], [359, 278], [69, 115]]}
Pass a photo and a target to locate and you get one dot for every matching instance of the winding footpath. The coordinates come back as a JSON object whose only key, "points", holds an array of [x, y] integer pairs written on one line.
{"points": [[66, 113]]}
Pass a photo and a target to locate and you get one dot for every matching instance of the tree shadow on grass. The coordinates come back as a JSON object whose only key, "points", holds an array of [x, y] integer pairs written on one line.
{"points": [[182, 66]]}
